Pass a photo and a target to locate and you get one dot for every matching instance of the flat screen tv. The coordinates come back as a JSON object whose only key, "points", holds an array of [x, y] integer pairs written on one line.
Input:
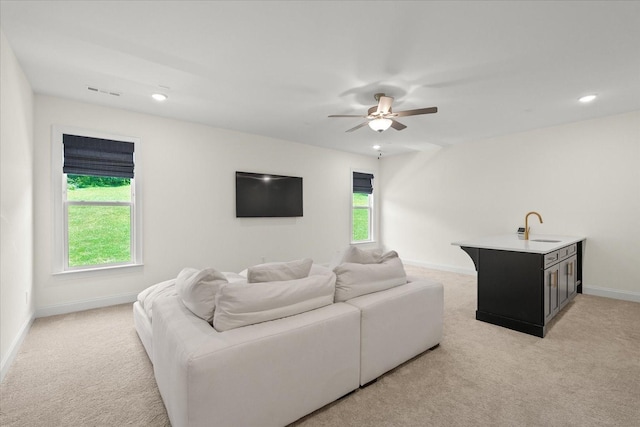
{"points": [[265, 195]]}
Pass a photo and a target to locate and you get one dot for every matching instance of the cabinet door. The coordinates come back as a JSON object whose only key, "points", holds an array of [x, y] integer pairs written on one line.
{"points": [[572, 276], [551, 276], [563, 282]]}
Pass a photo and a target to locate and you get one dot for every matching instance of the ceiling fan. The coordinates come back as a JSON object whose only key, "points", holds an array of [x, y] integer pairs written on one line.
{"points": [[380, 117]]}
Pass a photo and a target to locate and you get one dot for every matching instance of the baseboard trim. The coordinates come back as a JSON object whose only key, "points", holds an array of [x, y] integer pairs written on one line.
{"points": [[15, 347], [72, 307], [611, 293], [440, 267]]}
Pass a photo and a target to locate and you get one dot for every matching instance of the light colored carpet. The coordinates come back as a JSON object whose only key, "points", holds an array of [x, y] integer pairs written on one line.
{"points": [[89, 369]]}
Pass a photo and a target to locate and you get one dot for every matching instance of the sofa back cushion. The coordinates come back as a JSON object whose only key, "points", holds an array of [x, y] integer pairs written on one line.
{"points": [[320, 269], [353, 280], [198, 288], [355, 255], [279, 271], [245, 304]]}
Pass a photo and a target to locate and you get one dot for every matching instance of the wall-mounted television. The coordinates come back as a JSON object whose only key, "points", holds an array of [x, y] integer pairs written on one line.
{"points": [[265, 195]]}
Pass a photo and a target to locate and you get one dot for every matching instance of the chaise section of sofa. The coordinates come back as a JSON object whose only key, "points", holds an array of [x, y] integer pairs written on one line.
{"points": [[267, 374], [398, 324], [142, 323]]}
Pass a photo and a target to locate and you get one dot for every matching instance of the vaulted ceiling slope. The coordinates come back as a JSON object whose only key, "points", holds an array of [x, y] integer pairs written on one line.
{"points": [[280, 68]]}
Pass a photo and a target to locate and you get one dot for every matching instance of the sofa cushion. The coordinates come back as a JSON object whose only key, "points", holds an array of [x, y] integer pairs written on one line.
{"points": [[362, 256], [245, 304], [279, 271], [149, 295], [198, 288], [353, 279], [320, 269], [356, 255], [234, 277], [397, 324]]}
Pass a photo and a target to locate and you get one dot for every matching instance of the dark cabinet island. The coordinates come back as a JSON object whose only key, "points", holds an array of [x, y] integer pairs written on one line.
{"points": [[523, 284]]}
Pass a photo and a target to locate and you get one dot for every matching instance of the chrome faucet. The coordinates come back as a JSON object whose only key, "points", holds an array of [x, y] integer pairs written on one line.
{"points": [[526, 224]]}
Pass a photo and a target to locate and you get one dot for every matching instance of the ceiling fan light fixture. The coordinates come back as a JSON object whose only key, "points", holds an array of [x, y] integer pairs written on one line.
{"points": [[159, 97], [587, 98], [379, 116], [380, 125]]}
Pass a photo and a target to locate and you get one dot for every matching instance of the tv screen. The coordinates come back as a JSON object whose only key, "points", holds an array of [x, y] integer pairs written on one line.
{"points": [[265, 195]]}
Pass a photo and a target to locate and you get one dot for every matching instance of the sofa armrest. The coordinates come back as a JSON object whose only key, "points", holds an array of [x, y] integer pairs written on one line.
{"points": [[398, 324], [254, 375]]}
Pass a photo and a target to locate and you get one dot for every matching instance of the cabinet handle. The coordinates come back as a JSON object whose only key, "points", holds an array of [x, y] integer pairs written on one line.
{"points": [[570, 269], [554, 279]]}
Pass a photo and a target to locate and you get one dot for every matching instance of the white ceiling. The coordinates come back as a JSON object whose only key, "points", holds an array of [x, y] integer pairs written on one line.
{"points": [[280, 68]]}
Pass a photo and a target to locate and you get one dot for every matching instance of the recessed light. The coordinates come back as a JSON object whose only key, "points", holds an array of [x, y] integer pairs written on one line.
{"points": [[376, 147], [587, 98], [159, 97]]}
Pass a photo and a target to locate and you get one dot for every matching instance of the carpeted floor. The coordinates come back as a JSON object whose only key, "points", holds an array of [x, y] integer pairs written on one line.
{"points": [[89, 369]]}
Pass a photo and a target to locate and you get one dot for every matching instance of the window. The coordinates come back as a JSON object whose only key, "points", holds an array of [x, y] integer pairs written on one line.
{"points": [[362, 207], [97, 220]]}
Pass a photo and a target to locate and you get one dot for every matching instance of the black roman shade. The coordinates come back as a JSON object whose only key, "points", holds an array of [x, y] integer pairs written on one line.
{"points": [[84, 155], [362, 182]]}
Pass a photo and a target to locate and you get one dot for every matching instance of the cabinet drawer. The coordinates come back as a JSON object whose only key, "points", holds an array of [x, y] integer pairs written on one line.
{"points": [[563, 253], [551, 258], [566, 252]]}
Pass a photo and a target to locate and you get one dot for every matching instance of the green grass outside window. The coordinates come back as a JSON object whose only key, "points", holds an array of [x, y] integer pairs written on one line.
{"points": [[99, 234], [360, 218]]}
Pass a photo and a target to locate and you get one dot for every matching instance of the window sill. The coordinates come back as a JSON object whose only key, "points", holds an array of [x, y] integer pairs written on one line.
{"points": [[364, 242], [97, 269]]}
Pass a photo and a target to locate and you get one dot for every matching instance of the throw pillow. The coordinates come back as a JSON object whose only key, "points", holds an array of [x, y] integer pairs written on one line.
{"points": [[356, 255], [198, 288], [320, 269], [234, 277], [279, 271], [246, 304], [353, 280]]}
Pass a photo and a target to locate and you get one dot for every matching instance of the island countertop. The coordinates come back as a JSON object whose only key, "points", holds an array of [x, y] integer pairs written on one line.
{"points": [[516, 243]]}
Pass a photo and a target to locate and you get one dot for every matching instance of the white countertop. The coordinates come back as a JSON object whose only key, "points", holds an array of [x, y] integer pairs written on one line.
{"points": [[515, 242]]}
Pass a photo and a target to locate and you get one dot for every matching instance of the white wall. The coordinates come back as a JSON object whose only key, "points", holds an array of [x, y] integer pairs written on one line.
{"points": [[188, 197], [583, 178], [16, 205]]}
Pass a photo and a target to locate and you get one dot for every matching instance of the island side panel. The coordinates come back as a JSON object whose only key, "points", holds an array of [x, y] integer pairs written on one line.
{"points": [[473, 254], [509, 288], [579, 266]]}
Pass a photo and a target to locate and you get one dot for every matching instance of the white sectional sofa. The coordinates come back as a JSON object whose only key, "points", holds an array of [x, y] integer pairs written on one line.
{"points": [[398, 324], [268, 374], [274, 372]]}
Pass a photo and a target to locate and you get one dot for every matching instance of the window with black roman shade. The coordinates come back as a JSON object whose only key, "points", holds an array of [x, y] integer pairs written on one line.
{"points": [[362, 183], [97, 157]]}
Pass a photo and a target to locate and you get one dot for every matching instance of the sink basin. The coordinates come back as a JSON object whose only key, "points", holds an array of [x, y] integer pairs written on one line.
{"points": [[545, 240]]}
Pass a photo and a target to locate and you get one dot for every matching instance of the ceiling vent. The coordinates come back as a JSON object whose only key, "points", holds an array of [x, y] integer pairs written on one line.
{"points": [[106, 92]]}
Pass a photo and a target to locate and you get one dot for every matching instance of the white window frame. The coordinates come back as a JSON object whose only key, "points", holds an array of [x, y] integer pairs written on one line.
{"points": [[61, 204], [370, 208]]}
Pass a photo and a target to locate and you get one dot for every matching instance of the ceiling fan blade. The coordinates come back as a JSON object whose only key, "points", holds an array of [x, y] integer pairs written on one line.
{"points": [[347, 115], [384, 104], [397, 125], [357, 127], [428, 110]]}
